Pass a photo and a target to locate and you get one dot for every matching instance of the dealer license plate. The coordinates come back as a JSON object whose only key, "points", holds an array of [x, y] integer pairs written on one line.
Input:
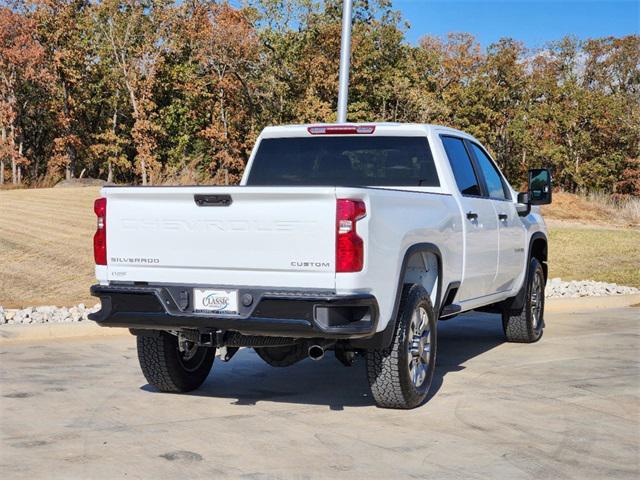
{"points": [[206, 300]]}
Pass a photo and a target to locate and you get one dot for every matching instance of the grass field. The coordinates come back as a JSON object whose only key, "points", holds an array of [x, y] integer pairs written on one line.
{"points": [[46, 246], [46, 252], [594, 253]]}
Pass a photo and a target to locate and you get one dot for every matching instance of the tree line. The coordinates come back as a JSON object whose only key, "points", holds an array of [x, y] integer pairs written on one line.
{"points": [[159, 91]]}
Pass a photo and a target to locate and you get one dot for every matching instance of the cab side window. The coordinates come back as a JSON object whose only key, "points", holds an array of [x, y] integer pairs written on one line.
{"points": [[461, 165], [495, 186]]}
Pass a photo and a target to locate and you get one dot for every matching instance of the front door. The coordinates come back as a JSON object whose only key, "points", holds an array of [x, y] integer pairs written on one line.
{"points": [[512, 246], [511, 253]]}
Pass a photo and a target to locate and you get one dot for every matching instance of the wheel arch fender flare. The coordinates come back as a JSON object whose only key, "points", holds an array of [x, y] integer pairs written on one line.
{"points": [[539, 238], [516, 304], [383, 339]]}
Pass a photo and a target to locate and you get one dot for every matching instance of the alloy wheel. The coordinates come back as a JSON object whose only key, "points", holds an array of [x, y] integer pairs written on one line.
{"points": [[419, 347]]}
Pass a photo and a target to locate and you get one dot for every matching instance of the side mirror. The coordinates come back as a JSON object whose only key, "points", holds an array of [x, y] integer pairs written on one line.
{"points": [[539, 186], [539, 192]]}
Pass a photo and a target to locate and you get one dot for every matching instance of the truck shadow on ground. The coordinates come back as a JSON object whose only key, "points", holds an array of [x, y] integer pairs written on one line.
{"points": [[248, 380]]}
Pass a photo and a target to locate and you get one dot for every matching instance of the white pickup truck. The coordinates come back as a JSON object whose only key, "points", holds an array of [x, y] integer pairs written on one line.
{"points": [[348, 237]]}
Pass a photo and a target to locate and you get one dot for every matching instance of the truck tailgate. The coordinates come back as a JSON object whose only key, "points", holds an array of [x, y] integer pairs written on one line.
{"points": [[266, 236]]}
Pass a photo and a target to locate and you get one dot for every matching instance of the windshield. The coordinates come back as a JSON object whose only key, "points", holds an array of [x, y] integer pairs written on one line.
{"points": [[344, 161]]}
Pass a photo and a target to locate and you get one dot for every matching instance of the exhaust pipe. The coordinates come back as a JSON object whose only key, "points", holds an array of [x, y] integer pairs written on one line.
{"points": [[316, 352]]}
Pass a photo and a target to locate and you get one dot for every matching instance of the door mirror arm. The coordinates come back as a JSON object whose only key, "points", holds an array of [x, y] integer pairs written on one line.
{"points": [[523, 206]]}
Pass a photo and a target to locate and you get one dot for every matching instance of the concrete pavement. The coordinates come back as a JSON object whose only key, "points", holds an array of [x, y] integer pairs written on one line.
{"points": [[566, 407]]}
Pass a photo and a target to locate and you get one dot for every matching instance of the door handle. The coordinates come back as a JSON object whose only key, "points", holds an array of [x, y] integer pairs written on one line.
{"points": [[213, 200], [503, 216], [472, 215]]}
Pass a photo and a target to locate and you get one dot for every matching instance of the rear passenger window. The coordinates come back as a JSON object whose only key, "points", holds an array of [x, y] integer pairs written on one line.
{"points": [[461, 165], [495, 186]]}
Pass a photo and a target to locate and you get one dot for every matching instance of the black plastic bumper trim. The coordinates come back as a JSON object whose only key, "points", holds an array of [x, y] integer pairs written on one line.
{"points": [[302, 313]]}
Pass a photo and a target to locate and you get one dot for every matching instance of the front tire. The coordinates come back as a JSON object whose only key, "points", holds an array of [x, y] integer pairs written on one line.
{"points": [[527, 325], [169, 369], [400, 376]]}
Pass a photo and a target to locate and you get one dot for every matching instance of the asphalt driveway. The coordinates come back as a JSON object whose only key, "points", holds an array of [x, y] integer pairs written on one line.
{"points": [[566, 407]]}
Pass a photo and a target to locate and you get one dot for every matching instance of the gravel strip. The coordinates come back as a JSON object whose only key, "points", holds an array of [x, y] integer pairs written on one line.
{"points": [[556, 288], [46, 314]]}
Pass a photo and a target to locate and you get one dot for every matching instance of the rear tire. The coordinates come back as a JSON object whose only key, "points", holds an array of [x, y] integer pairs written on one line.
{"points": [[400, 376], [167, 368], [527, 325]]}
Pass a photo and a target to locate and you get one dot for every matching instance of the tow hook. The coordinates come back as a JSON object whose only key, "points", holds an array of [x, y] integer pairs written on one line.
{"points": [[344, 356], [227, 353]]}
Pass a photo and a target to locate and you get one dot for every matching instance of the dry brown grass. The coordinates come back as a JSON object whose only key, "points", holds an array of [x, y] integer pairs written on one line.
{"points": [[46, 255], [46, 250], [595, 208]]}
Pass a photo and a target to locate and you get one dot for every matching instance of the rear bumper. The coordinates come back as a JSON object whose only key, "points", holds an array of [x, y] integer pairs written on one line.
{"points": [[300, 314]]}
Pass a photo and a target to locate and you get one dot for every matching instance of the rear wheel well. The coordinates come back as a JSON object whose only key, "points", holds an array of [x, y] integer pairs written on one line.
{"points": [[422, 268], [422, 265]]}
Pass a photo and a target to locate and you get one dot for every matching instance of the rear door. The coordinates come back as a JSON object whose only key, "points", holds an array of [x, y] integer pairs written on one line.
{"points": [[480, 224], [512, 233], [252, 236]]}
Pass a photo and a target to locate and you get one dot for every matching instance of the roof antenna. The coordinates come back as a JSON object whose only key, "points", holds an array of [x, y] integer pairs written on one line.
{"points": [[345, 60]]}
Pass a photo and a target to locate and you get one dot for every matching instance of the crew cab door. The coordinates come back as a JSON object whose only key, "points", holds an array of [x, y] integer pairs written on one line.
{"points": [[512, 233], [480, 224]]}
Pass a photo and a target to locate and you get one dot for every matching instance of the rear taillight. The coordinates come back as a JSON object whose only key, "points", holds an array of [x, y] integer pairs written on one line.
{"points": [[349, 246], [100, 237]]}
